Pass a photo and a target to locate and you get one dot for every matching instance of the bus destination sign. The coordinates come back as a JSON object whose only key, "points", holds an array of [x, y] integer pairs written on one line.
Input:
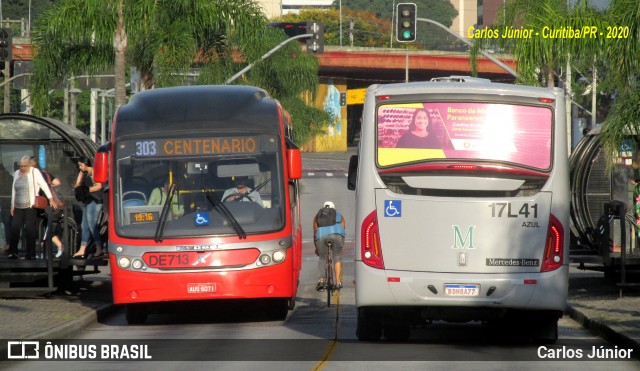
{"points": [[196, 146]]}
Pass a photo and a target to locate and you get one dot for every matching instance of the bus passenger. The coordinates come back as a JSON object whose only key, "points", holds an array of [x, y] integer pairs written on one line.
{"points": [[333, 230], [418, 136], [159, 197], [90, 211], [242, 192], [27, 182]]}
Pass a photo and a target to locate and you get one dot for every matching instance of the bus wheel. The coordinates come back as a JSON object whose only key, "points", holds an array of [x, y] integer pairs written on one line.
{"points": [[136, 314], [278, 309], [397, 331], [545, 330], [368, 328]]}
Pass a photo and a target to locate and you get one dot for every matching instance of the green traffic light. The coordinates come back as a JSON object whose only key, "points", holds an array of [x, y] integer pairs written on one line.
{"points": [[406, 34]]}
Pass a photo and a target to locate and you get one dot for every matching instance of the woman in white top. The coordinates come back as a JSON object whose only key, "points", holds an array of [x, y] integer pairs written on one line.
{"points": [[27, 183]]}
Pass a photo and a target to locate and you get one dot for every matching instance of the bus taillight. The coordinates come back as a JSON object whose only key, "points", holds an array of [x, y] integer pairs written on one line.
{"points": [[370, 242], [554, 246]]}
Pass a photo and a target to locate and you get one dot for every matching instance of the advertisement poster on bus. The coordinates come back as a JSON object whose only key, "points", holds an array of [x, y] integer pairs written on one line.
{"points": [[463, 130]]}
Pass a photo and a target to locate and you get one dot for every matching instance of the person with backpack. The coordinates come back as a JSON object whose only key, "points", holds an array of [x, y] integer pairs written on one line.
{"points": [[329, 224]]}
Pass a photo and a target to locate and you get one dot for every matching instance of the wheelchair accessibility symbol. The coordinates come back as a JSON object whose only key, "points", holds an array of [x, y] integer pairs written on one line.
{"points": [[201, 218], [392, 208]]}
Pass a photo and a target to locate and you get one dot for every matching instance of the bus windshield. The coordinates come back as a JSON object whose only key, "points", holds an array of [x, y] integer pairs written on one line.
{"points": [[241, 172], [516, 134]]}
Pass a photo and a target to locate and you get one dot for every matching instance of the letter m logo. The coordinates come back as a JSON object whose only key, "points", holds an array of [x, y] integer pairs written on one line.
{"points": [[460, 241]]}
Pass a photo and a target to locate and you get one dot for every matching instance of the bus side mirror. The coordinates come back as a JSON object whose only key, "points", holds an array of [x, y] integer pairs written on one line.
{"points": [[352, 176], [294, 163], [101, 167]]}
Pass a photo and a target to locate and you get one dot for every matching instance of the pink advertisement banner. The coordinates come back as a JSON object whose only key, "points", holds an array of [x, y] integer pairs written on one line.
{"points": [[460, 130]]}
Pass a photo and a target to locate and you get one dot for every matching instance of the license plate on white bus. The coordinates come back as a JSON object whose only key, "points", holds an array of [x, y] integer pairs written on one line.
{"points": [[201, 288], [462, 289]]}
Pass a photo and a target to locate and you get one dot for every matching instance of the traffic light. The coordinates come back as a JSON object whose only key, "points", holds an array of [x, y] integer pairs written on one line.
{"points": [[315, 44], [343, 98], [406, 14], [5, 44]]}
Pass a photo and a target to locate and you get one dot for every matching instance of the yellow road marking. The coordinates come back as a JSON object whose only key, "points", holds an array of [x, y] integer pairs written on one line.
{"points": [[331, 346]]}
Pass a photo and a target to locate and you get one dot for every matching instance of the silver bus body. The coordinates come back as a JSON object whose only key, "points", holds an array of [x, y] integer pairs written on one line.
{"points": [[475, 228]]}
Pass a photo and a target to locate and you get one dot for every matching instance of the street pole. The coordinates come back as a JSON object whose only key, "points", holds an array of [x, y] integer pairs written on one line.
{"points": [[340, 6], [93, 109], [567, 105], [594, 96], [103, 119], [393, 17], [267, 55], [406, 65], [65, 112], [7, 87]]}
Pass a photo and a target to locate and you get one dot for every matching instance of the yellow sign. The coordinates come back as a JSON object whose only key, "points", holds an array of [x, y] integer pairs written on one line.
{"points": [[356, 96]]}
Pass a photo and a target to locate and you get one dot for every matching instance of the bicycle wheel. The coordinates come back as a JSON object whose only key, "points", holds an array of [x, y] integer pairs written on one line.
{"points": [[329, 278]]}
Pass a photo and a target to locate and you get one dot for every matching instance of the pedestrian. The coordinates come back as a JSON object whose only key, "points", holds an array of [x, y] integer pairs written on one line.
{"points": [[6, 181], [90, 211], [329, 224], [27, 183]]}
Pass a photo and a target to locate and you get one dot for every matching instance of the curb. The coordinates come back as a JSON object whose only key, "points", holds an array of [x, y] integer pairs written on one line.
{"points": [[67, 329], [603, 329]]}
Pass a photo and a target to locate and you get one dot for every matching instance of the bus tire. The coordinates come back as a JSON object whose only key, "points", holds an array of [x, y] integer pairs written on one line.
{"points": [[368, 328], [545, 330], [278, 309], [136, 314], [397, 331]]}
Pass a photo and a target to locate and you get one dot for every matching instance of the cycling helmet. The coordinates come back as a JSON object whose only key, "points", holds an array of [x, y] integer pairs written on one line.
{"points": [[329, 204]]}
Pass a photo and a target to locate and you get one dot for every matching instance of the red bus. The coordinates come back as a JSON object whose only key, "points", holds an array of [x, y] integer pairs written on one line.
{"points": [[180, 227]]}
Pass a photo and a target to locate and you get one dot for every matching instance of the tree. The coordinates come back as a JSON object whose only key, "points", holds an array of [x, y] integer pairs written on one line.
{"points": [[623, 55], [164, 40], [368, 29], [542, 60]]}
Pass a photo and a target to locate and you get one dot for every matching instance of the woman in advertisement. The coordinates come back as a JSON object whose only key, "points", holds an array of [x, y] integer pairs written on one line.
{"points": [[418, 135]]}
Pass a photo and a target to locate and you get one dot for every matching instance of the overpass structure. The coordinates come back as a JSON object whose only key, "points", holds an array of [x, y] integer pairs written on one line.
{"points": [[362, 67]]}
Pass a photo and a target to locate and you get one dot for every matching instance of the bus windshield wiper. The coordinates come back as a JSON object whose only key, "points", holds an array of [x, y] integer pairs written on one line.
{"points": [[222, 209], [165, 212]]}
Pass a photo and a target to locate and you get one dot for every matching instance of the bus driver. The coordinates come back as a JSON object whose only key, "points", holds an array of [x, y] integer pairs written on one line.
{"points": [[242, 192]]}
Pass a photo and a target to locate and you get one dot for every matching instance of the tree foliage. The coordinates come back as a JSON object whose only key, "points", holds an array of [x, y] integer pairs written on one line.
{"points": [[543, 60], [623, 57], [19, 9], [166, 40]]}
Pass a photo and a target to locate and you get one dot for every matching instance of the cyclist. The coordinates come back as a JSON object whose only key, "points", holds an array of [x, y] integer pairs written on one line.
{"points": [[334, 231]]}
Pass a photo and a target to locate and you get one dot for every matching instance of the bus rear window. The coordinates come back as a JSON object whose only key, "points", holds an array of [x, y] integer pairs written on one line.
{"points": [[466, 131]]}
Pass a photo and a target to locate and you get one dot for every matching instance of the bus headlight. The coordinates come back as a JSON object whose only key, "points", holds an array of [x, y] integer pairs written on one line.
{"points": [[278, 256], [137, 264], [265, 259], [124, 262]]}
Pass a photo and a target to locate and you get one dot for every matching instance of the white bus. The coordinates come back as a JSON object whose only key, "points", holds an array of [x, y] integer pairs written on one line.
{"points": [[467, 220]]}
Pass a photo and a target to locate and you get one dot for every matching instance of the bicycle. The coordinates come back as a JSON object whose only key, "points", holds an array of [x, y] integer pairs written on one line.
{"points": [[330, 287]]}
